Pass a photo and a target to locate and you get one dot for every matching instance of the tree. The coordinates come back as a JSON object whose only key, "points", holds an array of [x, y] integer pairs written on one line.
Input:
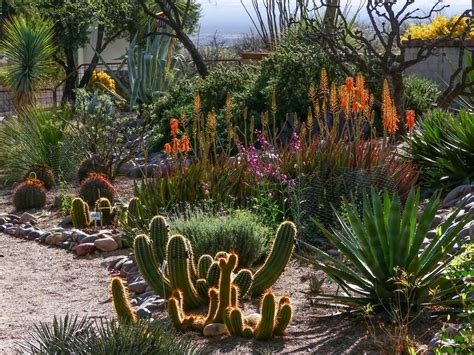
{"points": [[379, 53], [181, 16]]}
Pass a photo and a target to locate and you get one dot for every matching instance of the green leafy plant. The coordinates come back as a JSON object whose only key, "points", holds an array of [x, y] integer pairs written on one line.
{"points": [[442, 145], [387, 239], [29, 47], [240, 231], [420, 94]]}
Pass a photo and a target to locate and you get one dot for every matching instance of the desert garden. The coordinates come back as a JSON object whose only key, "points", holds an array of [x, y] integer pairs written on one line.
{"points": [[305, 189]]}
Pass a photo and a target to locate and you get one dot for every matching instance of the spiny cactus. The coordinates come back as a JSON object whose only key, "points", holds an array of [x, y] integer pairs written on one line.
{"points": [[29, 194], [243, 281], [276, 262], [159, 233], [80, 213], [135, 213], [204, 263], [95, 187], [104, 206], [125, 313], [43, 173]]}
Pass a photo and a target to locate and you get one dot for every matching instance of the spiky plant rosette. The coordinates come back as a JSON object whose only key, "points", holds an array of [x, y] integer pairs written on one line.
{"points": [[96, 186], [43, 173], [29, 194]]}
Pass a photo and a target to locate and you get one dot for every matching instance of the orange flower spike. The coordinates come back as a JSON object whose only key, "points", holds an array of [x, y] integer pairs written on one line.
{"points": [[174, 124], [175, 145], [168, 148], [185, 145], [350, 83], [333, 97], [410, 119], [344, 97], [324, 84]]}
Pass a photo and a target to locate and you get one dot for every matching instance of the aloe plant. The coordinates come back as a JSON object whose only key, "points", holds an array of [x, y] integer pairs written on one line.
{"points": [[385, 240], [151, 69]]}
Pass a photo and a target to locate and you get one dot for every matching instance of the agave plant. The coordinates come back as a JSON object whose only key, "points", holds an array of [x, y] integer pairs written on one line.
{"points": [[443, 146], [151, 69], [385, 241], [29, 48]]}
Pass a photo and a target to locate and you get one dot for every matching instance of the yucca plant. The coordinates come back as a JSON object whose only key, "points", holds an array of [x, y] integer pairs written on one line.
{"points": [[29, 48], [443, 146], [385, 241]]}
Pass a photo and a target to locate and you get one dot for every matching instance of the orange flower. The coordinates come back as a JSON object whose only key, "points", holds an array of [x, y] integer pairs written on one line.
{"points": [[390, 121], [324, 84], [174, 124], [168, 148], [410, 122], [185, 146], [344, 95], [350, 83], [333, 98], [175, 145]]}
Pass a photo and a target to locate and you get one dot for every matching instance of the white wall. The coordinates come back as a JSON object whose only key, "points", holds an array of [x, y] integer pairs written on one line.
{"points": [[111, 54]]}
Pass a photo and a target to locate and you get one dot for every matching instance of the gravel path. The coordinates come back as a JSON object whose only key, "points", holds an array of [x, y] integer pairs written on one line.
{"points": [[37, 283]]}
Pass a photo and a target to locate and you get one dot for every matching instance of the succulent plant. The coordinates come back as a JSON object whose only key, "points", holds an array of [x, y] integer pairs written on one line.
{"points": [[80, 213], [29, 194], [125, 313], [95, 187], [104, 206], [43, 173], [135, 213]]}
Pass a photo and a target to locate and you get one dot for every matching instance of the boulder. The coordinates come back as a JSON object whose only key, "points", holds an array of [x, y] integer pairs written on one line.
{"points": [[214, 329], [84, 249], [27, 218], [106, 244], [56, 238], [453, 198]]}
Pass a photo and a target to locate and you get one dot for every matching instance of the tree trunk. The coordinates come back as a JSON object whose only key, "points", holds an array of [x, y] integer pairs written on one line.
{"points": [[399, 99], [95, 59], [193, 51], [330, 15], [71, 76]]}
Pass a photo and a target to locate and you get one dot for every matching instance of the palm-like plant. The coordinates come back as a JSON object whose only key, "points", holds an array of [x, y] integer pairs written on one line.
{"points": [[385, 241], [29, 47]]}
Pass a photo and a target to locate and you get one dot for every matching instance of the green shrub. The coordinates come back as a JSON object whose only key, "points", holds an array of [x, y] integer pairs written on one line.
{"points": [[71, 335], [240, 231], [443, 146], [384, 246], [420, 94]]}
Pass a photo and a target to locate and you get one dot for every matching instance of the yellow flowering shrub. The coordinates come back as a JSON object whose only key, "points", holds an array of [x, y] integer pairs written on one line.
{"points": [[104, 79], [440, 26]]}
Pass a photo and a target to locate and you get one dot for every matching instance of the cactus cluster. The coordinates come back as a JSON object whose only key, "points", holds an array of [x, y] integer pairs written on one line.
{"points": [[80, 213], [95, 187], [29, 194], [224, 308], [43, 173], [104, 206], [195, 280]]}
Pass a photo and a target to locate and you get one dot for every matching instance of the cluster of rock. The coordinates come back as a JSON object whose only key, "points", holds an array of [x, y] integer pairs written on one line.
{"points": [[144, 300], [75, 240]]}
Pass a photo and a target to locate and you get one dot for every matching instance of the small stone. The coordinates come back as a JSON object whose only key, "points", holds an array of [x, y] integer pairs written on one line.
{"points": [[214, 329], [3, 221], [35, 234], [89, 239], [333, 252], [136, 276], [431, 234], [155, 305], [464, 232], [120, 263], [138, 286], [437, 221], [106, 244], [471, 232], [67, 221], [42, 239], [456, 194], [111, 261], [425, 243], [128, 265], [56, 238], [77, 235], [143, 313], [27, 218], [84, 249]]}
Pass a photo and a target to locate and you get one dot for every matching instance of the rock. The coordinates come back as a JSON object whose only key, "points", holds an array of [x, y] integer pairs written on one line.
{"points": [[136, 276], [42, 239], [84, 249], [431, 234], [143, 313], [138, 286], [125, 169], [77, 235], [425, 243], [471, 233], [3, 221], [67, 221], [437, 221], [253, 319], [111, 261], [465, 232], [27, 218], [154, 304], [455, 195], [120, 263], [149, 170], [214, 329], [35, 234], [56, 238], [89, 239], [25, 231], [128, 265], [466, 200], [106, 244]]}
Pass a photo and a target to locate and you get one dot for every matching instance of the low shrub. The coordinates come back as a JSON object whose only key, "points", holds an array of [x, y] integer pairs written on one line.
{"points": [[240, 231], [420, 94], [442, 145]]}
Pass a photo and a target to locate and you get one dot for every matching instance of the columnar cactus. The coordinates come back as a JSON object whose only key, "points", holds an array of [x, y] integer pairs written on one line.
{"points": [[243, 280], [95, 187], [43, 173], [80, 213], [159, 233], [204, 263], [125, 313], [104, 206], [29, 194], [276, 262], [135, 213]]}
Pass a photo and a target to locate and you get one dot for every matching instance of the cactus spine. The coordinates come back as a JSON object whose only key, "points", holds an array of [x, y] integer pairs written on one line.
{"points": [[159, 234], [125, 313], [80, 213], [213, 274], [104, 206], [204, 263], [243, 281], [276, 262]]}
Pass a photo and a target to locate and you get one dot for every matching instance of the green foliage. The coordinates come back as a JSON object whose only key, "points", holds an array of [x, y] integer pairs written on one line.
{"points": [[385, 241], [239, 231], [420, 94], [102, 337], [443, 146], [38, 136], [96, 187], [42, 173], [29, 47], [28, 195]]}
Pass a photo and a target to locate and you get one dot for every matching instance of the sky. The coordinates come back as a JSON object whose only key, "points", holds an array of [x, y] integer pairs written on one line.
{"points": [[228, 19]]}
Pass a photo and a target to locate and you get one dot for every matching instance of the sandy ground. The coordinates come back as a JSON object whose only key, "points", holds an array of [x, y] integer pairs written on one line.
{"points": [[37, 283]]}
